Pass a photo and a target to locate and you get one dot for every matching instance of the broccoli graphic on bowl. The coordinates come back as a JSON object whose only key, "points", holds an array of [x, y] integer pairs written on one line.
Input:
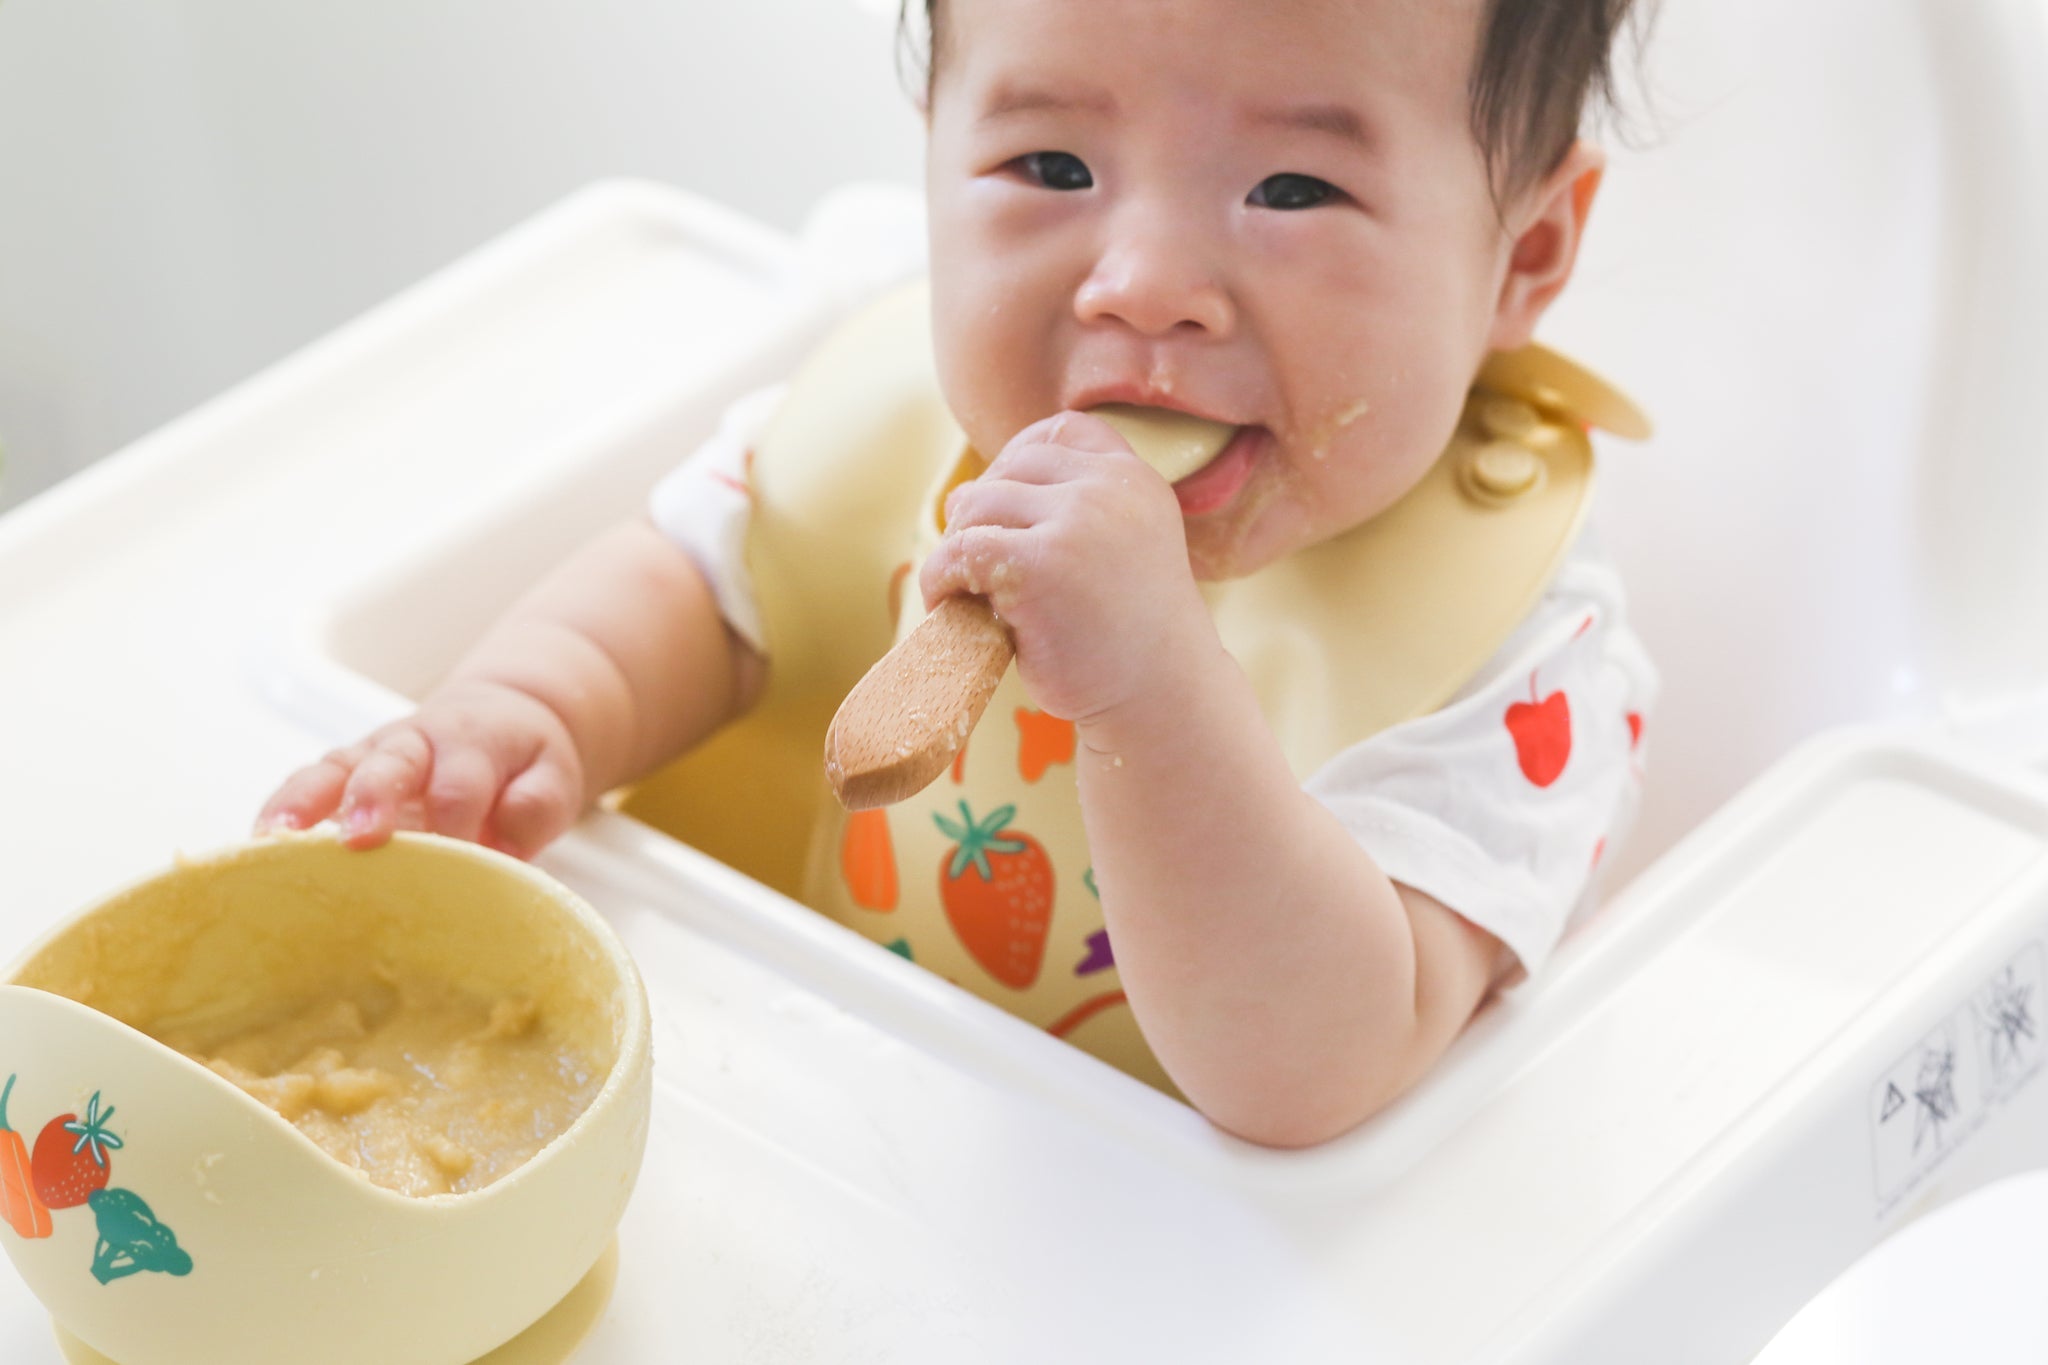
{"points": [[131, 1239]]}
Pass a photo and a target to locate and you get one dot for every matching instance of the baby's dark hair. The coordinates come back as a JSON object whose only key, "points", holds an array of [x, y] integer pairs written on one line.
{"points": [[1540, 64]]}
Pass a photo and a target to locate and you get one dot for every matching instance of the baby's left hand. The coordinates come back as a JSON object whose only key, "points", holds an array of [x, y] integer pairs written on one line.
{"points": [[1080, 548]]}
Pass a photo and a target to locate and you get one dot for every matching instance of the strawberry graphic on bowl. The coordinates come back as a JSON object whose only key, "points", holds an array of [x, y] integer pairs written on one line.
{"points": [[72, 1162], [996, 887]]}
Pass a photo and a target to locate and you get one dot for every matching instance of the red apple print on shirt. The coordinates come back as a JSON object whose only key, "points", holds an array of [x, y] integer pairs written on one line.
{"points": [[1543, 735]]}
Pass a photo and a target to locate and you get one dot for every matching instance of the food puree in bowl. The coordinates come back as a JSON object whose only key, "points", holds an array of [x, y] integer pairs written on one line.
{"points": [[422, 1087]]}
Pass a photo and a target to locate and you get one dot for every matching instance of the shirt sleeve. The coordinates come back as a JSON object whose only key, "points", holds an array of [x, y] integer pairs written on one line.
{"points": [[862, 240], [705, 503], [1503, 803]]}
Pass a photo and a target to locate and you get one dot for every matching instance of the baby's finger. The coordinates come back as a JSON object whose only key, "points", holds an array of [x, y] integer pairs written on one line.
{"points": [[309, 795], [460, 791], [979, 559], [386, 787], [1057, 450], [535, 806], [998, 502], [1080, 431]]}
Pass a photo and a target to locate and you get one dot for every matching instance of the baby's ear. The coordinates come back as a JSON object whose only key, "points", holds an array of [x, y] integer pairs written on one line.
{"points": [[1545, 227]]}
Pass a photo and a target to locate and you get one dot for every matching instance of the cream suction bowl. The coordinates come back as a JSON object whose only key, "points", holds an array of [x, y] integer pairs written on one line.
{"points": [[293, 1102]]}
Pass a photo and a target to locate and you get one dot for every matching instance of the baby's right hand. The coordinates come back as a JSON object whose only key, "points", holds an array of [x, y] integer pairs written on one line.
{"points": [[479, 761]]}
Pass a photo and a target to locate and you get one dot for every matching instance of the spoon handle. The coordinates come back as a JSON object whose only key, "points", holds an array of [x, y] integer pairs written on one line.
{"points": [[903, 723]]}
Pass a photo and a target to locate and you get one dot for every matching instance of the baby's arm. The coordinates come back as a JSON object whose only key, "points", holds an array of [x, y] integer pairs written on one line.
{"points": [[1288, 987], [616, 662]]}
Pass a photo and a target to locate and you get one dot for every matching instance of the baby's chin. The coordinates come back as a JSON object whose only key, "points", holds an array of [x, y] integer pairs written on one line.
{"points": [[1259, 530], [1222, 563]]}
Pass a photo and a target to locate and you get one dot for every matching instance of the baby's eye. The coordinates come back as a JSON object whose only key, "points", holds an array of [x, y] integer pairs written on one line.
{"points": [[1290, 191], [1056, 170]]}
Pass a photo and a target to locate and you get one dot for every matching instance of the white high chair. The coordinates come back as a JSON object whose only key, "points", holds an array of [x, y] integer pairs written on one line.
{"points": [[1814, 1016]]}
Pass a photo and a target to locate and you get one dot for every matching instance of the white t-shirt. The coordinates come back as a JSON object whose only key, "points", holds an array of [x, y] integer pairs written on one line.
{"points": [[1501, 804]]}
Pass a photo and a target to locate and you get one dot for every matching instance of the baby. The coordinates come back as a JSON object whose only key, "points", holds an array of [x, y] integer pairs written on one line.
{"points": [[1312, 220]]}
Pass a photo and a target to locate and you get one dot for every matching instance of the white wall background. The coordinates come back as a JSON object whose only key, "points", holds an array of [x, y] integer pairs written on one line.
{"points": [[190, 189]]}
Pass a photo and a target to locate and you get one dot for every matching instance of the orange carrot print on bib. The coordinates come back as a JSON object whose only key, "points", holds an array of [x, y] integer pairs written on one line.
{"points": [[867, 860], [1042, 741]]}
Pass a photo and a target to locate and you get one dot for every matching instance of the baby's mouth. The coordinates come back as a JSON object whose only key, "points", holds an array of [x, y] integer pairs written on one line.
{"points": [[1216, 484], [1183, 449]]}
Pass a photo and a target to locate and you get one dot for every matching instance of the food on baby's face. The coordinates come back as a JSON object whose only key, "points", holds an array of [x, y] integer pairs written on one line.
{"points": [[421, 1088]]}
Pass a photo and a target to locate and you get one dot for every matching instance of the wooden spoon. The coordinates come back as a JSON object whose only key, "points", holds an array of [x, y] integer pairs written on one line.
{"points": [[906, 720]]}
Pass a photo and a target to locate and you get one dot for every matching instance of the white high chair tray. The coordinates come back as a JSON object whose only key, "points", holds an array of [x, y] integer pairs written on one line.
{"points": [[851, 1160]]}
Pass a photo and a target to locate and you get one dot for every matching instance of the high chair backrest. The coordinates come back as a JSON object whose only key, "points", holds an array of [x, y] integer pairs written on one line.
{"points": [[1821, 268]]}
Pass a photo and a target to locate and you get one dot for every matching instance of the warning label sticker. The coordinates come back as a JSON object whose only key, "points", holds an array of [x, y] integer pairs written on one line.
{"points": [[2008, 1013], [1929, 1102]]}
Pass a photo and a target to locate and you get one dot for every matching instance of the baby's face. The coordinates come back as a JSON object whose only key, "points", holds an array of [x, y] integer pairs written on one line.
{"points": [[1268, 212]]}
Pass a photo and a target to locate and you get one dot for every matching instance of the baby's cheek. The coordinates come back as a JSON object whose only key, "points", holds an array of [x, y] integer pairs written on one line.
{"points": [[983, 385]]}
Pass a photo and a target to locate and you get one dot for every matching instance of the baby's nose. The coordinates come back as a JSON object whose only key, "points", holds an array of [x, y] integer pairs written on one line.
{"points": [[1156, 277]]}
